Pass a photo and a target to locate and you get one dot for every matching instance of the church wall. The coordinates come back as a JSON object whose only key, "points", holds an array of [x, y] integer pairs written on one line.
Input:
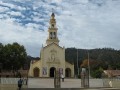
{"points": [[71, 66], [57, 61], [32, 66]]}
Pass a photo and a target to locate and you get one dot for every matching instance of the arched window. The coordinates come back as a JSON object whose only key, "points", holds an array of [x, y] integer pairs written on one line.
{"points": [[52, 25]]}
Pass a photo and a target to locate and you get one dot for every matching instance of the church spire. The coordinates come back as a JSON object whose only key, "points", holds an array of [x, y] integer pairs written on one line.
{"points": [[52, 30]]}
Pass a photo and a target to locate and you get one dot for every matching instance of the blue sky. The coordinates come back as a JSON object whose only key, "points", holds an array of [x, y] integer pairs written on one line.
{"points": [[83, 24]]}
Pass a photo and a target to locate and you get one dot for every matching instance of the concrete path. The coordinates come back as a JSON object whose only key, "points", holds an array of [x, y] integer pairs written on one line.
{"points": [[49, 83], [68, 83]]}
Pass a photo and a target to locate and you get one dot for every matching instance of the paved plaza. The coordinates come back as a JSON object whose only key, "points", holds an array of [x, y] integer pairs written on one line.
{"points": [[49, 83], [68, 83]]}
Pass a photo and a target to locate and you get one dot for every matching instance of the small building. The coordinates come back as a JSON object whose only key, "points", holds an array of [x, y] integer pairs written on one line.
{"points": [[7, 74], [112, 73], [22, 73]]}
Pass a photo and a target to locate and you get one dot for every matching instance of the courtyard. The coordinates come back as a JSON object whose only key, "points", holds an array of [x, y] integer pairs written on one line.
{"points": [[37, 83], [48, 83], [68, 83]]}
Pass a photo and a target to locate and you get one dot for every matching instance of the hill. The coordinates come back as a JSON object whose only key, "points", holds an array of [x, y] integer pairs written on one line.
{"points": [[105, 58]]}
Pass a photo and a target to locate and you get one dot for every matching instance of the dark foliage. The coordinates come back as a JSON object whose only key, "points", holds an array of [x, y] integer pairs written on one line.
{"points": [[105, 58], [12, 56]]}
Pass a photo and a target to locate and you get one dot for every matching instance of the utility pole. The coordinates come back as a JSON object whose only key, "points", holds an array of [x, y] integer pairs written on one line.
{"points": [[77, 64], [88, 69]]}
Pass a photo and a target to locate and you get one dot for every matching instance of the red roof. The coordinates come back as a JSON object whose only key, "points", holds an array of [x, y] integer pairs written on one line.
{"points": [[112, 72]]}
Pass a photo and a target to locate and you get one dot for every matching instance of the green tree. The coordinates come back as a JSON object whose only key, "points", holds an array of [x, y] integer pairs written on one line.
{"points": [[14, 56], [1, 52], [1, 56], [97, 73]]}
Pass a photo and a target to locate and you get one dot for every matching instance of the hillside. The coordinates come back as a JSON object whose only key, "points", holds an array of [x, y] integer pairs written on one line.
{"points": [[105, 58]]}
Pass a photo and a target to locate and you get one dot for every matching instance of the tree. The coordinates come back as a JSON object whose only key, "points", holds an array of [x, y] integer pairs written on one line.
{"points": [[97, 73], [14, 56], [1, 53], [92, 63], [95, 69]]}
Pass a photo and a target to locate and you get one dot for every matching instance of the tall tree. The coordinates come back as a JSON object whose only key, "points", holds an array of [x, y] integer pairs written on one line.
{"points": [[1, 56], [14, 56]]}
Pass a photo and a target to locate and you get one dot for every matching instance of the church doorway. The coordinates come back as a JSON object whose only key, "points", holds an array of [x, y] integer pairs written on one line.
{"points": [[36, 72], [67, 72], [52, 71]]}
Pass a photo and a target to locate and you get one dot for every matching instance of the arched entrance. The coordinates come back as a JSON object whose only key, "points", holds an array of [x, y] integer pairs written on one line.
{"points": [[36, 72], [52, 71], [67, 72]]}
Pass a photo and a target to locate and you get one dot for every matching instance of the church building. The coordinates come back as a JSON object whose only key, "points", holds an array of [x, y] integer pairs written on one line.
{"points": [[52, 56]]}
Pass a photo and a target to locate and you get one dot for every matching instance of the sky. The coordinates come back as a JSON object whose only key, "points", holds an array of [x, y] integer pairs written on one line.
{"points": [[83, 24]]}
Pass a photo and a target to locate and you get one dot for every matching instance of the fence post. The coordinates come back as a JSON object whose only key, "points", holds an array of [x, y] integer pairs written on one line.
{"points": [[84, 78]]}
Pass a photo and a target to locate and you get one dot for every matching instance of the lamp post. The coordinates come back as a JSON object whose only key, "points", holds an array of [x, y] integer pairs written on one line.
{"points": [[78, 72]]}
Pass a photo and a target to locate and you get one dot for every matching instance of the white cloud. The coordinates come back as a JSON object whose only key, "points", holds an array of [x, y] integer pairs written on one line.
{"points": [[7, 4], [90, 26], [32, 25], [81, 24], [56, 1], [20, 8], [27, 36], [3, 9], [14, 13]]}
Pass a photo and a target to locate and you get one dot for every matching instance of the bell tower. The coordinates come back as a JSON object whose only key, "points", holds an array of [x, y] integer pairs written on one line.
{"points": [[52, 30]]}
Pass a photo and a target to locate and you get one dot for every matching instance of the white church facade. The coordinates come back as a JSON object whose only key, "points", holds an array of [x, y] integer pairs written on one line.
{"points": [[52, 56]]}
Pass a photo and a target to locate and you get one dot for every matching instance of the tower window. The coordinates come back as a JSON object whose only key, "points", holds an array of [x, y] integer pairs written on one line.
{"points": [[54, 35], [50, 35], [52, 25]]}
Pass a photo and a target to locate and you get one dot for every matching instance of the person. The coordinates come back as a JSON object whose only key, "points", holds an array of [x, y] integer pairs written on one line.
{"points": [[20, 83], [62, 76], [110, 83]]}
